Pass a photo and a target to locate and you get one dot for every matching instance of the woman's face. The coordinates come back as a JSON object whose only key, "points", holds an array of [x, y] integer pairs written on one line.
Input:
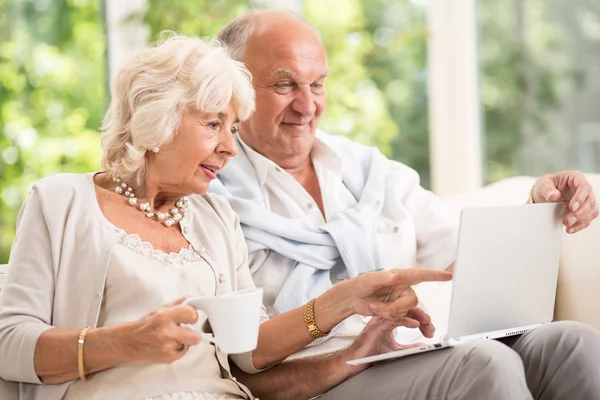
{"points": [[201, 146]]}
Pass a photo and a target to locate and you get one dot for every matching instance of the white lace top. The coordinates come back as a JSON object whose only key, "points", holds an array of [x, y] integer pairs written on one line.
{"points": [[141, 279]]}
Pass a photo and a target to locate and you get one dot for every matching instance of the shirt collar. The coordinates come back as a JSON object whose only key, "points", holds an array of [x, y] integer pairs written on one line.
{"points": [[321, 153]]}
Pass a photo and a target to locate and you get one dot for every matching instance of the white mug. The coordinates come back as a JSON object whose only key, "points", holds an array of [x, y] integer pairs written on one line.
{"points": [[234, 318]]}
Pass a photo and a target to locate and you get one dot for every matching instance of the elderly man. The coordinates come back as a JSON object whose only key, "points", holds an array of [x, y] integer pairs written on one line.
{"points": [[318, 209]]}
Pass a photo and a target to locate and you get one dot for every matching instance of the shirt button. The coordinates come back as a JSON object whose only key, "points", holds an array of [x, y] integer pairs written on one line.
{"points": [[309, 205], [277, 169], [234, 378], [201, 250], [222, 278], [395, 229], [186, 230]]}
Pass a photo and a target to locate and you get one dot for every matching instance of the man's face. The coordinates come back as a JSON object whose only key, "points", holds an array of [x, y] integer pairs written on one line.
{"points": [[289, 71]]}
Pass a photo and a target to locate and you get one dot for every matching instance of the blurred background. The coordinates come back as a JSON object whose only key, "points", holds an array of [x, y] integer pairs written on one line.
{"points": [[466, 92]]}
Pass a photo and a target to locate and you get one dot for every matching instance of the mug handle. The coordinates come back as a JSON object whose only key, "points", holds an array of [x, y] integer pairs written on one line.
{"points": [[205, 336]]}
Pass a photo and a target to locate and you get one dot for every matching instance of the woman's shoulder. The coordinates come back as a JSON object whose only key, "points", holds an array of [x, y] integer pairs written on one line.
{"points": [[60, 183], [63, 190]]}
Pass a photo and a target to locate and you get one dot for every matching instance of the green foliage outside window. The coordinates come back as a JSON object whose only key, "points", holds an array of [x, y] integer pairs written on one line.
{"points": [[540, 65], [53, 93]]}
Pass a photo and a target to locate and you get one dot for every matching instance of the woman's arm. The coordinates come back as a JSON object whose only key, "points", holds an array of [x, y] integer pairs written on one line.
{"points": [[31, 348], [387, 293], [27, 295], [55, 357], [156, 337]]}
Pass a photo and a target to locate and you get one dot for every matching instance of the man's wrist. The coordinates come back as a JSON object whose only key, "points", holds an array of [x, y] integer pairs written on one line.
{"points": [[530, 198]]}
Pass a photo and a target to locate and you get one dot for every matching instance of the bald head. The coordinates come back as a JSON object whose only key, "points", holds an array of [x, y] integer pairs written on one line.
{"points": [[262, 25], [289, 66]]}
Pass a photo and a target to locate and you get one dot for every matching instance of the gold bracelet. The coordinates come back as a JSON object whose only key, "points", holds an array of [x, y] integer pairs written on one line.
{"points": [[309, 320], [530, 199], [80, 344]]}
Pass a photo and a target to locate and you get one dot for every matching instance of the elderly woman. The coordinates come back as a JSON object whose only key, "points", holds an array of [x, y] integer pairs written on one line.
{"points": [[92, 304]]}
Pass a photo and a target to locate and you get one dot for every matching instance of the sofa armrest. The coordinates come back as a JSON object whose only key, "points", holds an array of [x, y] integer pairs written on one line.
{"points": [[3, 271], [8, 390]]}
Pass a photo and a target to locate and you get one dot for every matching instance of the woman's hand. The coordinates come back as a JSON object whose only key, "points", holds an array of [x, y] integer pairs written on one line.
{"points": [[158, 337], [389, 294]]}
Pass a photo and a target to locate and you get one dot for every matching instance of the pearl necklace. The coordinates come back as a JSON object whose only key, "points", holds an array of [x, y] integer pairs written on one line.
{"points": [[170, 218]]}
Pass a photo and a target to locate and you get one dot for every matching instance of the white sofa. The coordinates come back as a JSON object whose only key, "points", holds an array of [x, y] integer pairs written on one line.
{"points": [[577, 298]]}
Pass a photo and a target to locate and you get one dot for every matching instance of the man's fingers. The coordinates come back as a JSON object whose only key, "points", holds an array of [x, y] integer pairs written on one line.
{"points": [[545, 190], [582, 192], [552, 196], [414, 276], [578, 227], [586, 213], [428, 330], [425, 325]]}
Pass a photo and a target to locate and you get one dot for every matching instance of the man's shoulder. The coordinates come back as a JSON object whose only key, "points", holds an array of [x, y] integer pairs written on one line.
{"points": [[339, 140], [345, 147]]}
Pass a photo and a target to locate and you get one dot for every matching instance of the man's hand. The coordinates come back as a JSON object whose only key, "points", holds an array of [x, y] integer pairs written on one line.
{"points": [[389, 294], [573, 188], [376, 338]]}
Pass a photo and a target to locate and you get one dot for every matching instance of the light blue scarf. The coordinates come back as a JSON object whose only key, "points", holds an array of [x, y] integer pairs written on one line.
{"points": [[350, 234]]}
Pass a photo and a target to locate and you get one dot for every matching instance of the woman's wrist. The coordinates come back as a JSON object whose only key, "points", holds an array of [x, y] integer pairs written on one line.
{"points": [[115, 340], [332, 307]]}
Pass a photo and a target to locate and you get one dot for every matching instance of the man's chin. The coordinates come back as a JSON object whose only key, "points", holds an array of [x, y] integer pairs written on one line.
{"points": [[296, 130]]}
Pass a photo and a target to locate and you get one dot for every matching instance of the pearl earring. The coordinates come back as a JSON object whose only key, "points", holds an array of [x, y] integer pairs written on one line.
{"points": [[155, 150]]}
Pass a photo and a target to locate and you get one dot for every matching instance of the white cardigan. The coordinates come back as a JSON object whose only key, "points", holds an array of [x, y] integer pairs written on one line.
{"points": [[59, 261]]}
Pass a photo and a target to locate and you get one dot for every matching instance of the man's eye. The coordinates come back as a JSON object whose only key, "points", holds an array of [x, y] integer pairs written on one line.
{"points": [[316, 87], [234, 130], [214, 125], [285, 85]]}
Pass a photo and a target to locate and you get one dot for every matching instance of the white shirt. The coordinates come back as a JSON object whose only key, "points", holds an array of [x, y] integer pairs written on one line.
{"points": [[139, 280], [414, 228]]}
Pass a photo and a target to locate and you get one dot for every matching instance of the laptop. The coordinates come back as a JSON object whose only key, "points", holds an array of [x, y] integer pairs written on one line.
{"points": [[505, 275]]}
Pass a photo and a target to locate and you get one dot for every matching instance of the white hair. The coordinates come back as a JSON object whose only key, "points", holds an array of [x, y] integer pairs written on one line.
{"points": [[237, 32], [155, 87]]}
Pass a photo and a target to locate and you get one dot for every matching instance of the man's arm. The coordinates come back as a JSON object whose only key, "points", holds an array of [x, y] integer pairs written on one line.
{"points": [[294, 380], [308, 377]]}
